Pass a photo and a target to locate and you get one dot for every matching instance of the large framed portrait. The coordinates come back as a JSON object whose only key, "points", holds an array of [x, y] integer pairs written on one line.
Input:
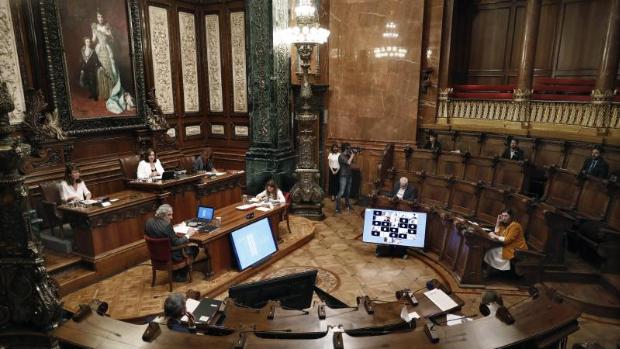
{"points": [[95, 59]]}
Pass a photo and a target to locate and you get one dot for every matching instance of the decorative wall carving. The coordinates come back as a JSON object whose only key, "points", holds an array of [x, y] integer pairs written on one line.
{"points": [[237, 39], [9, 63], [160, 54], [41, 126], [193, 130], [189, 65], [214, 65]]}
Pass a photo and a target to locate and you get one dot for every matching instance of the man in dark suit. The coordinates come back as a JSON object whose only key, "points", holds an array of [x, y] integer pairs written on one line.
{"points": [[513, 152], [595, 165], [433, 143], [159, 227], [403, 191], [174, 309]]}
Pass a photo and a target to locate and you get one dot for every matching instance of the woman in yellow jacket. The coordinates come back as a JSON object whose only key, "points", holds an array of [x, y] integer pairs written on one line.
{"points": [[510, 233]]}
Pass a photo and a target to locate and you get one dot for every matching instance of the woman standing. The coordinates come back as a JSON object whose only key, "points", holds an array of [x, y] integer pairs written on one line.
{"points": [[334, 167], [108, 77], [149, 166], [72, 188]]}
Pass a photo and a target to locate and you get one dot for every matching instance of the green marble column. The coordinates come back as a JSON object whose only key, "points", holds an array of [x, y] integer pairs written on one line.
{"points": [[271, 153]]}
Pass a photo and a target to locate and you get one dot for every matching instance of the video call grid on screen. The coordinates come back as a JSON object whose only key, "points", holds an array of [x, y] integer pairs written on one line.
{"points": [[389, 227]]}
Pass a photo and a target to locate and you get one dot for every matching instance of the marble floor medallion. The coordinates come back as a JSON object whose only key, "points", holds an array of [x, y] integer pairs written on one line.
{"points": [[325, 280]]}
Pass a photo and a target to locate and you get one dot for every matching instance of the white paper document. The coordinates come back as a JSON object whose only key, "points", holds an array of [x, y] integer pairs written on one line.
{"points": [[452, 319], [181, 228], [264, 209], [407, 316], [441, 299], [190, 305], [245, 207]]}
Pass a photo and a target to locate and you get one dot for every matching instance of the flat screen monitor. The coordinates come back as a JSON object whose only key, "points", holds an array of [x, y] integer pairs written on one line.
{"points": [[294, 291], [205, 213], [389, 227], [253, 243]]}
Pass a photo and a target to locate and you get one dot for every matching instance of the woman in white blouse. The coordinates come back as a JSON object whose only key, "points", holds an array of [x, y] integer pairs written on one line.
{"points": [[149, 166], [72, 188], [271, 193], [334, 167]]}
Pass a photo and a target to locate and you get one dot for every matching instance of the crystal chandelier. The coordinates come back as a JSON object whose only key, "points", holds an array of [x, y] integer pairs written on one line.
{"points": [[307, 30]]}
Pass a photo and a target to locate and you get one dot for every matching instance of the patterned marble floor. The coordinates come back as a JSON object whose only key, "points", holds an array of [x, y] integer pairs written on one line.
{"points": [[347, 268]]}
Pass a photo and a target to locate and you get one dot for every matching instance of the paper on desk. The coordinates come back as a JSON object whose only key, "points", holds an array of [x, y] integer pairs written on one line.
{"points": [[181, 228], [245, 207], [441, 299], [203, 318], [191, 305], [452, 319], [264, 208], [407, 316], [90, 202]]}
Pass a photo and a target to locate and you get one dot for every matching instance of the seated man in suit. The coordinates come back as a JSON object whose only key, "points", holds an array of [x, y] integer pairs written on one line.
{"points": [[510, 233], [204, 161], [404, 191], [174, 309], [595, 165], [159, 227], [513, 152], [433, 143]]}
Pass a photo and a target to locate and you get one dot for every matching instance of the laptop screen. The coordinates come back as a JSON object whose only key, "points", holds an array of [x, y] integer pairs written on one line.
{"points": [[205, 212]]}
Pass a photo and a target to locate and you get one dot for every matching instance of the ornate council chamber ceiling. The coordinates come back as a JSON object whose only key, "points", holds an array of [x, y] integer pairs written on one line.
{"points": [[237, 36], [160, 53], [214, 66], [189, 65], [9, 63]]}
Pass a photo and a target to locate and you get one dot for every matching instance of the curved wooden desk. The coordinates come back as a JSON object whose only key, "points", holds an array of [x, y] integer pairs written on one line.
{"points": [[538, 323]]}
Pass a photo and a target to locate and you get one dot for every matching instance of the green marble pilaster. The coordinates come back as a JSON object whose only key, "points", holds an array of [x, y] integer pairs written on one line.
{"points": [[271, 153]]}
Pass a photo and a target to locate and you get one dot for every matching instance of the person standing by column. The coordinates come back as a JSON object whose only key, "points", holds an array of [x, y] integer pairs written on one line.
{"points": [[334, 168], [346, 175]]}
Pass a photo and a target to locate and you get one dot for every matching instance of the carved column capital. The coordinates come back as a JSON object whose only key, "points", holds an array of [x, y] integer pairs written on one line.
{"points": [[602, 96]]}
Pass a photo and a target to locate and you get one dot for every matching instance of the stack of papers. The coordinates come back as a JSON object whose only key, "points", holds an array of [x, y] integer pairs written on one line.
{"points": [[452, 319], [441, 299], [191, 305], [181, 228]]}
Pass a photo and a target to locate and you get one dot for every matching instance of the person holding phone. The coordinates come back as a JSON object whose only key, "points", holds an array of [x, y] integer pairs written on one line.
{"points": [[510, 233]]}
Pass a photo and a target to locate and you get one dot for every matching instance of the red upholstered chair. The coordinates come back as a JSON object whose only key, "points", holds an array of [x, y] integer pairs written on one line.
{"points": [[161, 259]]}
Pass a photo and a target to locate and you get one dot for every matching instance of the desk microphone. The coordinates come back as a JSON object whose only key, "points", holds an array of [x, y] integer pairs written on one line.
{"points": [[434, 283], [408, 295], [429, 328], [503, 313]]}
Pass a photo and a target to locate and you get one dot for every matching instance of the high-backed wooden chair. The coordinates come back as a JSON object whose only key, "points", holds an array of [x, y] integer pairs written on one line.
{"points": [[187, 163], [129, 166], [160, 252], [51, 200]]}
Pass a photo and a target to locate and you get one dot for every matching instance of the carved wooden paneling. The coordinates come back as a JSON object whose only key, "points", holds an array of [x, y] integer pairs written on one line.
{"points": [[490, 204], [594, 198], [435, 192], [237, 39], [189, 64], [450, 164], [479, 169], [9, 63], [464, 198], [160, 55], [562, 189], [214, 65]]}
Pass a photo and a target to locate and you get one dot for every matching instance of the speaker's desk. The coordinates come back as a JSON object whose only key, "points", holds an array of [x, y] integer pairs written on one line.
{"points": [[187, 191], [111, 238], [217, 244]]}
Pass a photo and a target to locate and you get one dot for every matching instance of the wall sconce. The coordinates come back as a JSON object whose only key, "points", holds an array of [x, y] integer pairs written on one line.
{"points": [[426, 80]]}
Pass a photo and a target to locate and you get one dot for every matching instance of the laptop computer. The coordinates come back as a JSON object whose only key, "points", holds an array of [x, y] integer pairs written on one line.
{"points": [[206, 309], [204, 215], [167, 175]]}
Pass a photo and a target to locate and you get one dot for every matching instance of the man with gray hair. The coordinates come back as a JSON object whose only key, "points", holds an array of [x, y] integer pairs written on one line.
{"points": [[174, 309], [160, 227], [403, 191]]}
